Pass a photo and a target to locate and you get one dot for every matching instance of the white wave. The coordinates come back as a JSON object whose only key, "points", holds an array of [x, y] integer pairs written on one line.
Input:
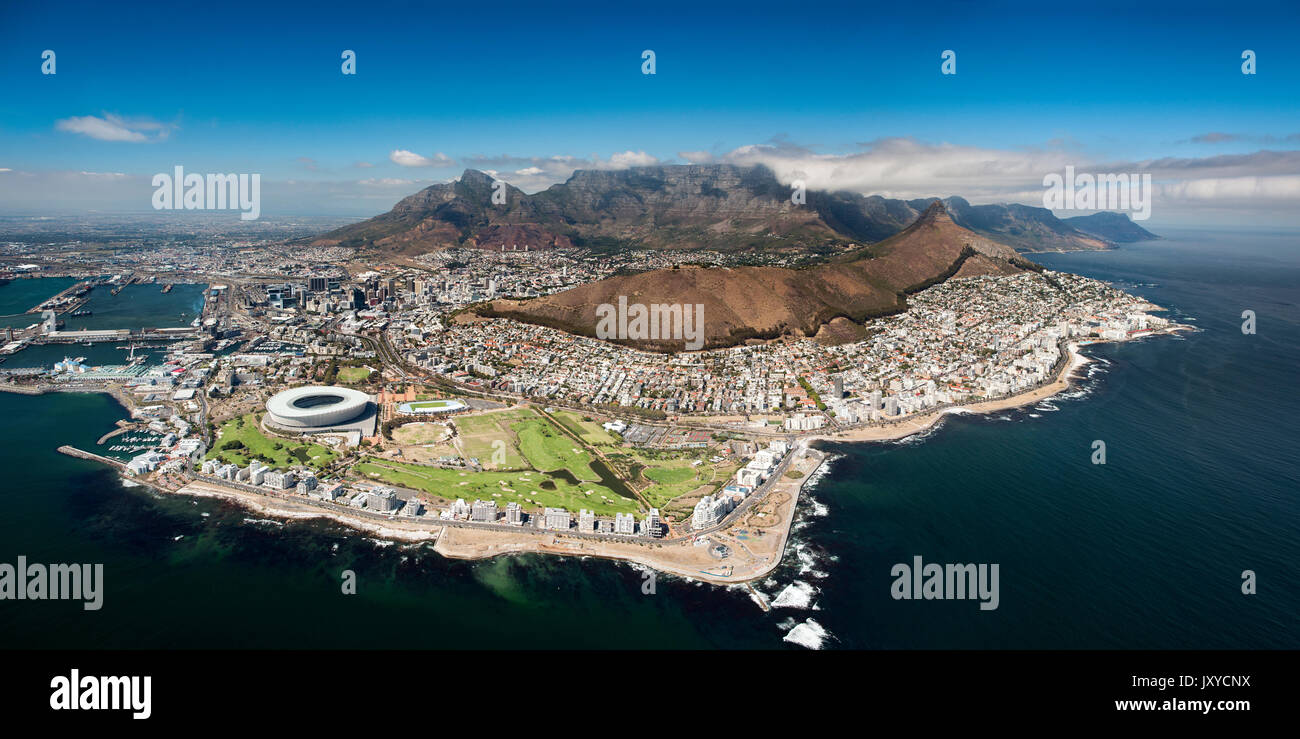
{"points": [[920, 436], [797, 594], [129, 483], [805, 556], [809, 559], [818, 508], [809, 634], [270, 521], [759, 597], [1080, 391]]}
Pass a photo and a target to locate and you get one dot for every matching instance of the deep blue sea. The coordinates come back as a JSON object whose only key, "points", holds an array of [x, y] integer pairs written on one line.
{"points": [[1145, 551]]}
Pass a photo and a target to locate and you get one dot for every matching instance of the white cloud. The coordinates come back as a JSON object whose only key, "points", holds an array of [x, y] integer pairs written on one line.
{"points": [[908, 168], [411, 159], [1263, 181], [626, 159], [531, 174], [695, 157], [114, 128], [1242, 190], [386, 182]]}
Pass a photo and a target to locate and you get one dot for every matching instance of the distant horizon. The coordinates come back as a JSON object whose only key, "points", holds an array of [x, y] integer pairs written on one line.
{"points": [[844, 98]]}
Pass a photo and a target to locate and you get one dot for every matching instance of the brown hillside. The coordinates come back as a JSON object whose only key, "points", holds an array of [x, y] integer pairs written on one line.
{"points": [[747, 303]]}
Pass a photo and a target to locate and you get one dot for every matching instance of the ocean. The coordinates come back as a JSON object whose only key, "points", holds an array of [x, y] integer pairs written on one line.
{"points": [[1145, 551]]}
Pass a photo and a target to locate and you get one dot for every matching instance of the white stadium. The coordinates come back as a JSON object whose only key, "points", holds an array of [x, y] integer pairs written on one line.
{"points": [[317, 408]]}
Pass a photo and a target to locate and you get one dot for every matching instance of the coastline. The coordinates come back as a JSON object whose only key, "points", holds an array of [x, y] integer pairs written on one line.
{"points": [[1064, 379], [917, 424], [752, 554], [752, 550]]}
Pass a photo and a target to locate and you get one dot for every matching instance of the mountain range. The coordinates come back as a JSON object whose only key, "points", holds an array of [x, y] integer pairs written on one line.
{"points": [[717, 206]]}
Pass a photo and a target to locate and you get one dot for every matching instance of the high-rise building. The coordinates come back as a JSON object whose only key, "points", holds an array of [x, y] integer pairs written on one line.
{"points": [[484, 511], [624, 523], [586, 520], [652, 526], [707, 513], [556, 519], [383, 501], [514, 514]]}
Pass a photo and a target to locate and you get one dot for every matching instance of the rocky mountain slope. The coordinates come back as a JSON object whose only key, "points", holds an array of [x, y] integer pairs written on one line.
{"points": [[677, 206], [1117, 228]]}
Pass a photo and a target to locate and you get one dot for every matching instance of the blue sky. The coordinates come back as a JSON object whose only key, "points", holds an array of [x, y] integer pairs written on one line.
{"points": [[853, 88]]}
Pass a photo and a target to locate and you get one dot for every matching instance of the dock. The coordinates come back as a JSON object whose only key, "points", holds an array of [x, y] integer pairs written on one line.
{"points": [[72, 451]]}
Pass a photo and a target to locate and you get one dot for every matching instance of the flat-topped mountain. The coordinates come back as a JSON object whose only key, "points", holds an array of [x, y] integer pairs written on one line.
{"points": [[747, 303], [717, 206]]}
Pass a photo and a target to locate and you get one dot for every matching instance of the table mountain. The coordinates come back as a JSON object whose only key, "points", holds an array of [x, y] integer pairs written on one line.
{"points": [[716, 206]]}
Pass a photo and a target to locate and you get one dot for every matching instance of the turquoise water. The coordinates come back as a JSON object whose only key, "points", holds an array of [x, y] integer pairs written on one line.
{"points": [[1145, 551]]}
